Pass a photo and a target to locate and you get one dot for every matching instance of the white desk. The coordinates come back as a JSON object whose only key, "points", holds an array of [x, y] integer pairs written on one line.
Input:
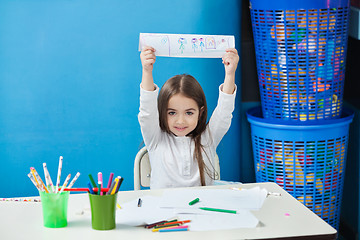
{"points": [[23, 220]]}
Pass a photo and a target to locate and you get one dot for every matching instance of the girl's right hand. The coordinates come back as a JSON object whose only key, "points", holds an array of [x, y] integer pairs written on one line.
{"points": [[148, 58]]}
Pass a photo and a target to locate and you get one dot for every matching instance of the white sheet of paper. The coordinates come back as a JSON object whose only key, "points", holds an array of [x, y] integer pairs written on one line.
{"points": [[187, 45], [174, 203], [149, 212], [220, 221], [249, 199]]}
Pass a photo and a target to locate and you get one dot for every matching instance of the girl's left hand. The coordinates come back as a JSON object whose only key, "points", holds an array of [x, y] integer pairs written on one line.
{"points": [[230, 60]]}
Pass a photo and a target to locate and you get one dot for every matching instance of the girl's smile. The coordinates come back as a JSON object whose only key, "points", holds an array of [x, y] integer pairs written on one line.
{"points": [[182, 115]]}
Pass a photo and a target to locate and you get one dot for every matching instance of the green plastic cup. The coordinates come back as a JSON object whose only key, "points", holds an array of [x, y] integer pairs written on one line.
{"points": [[54, 207], [103, 208]]}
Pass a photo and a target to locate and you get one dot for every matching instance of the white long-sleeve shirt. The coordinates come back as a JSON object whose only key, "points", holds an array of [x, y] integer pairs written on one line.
{"points": [[171, 157]]}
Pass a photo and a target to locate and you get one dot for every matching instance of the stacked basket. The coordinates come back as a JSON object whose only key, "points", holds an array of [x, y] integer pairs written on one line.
{"points": [[300, 133]]}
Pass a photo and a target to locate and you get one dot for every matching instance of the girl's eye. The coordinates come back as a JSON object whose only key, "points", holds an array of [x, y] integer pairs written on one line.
{"points": [[189, 113], [171, 113]]}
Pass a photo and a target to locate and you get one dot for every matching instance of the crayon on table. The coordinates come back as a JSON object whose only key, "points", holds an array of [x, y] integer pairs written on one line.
{"points": [[151, 225], [194, 201], [169, 223], [166, 226], [173, 230], [218, 210], [173, 227]]}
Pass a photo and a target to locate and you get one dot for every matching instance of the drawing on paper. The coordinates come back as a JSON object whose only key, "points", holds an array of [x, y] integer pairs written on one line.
{"points": [[210, 43], [194, 44], [182, 42], [201, 44], [187, 45]]}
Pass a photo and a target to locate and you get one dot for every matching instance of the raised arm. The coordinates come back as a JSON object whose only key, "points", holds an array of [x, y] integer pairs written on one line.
{"points": [[148, 58], [230, 61]]}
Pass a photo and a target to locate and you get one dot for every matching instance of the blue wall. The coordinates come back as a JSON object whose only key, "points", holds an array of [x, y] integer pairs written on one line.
{"points": [[69, 83]]}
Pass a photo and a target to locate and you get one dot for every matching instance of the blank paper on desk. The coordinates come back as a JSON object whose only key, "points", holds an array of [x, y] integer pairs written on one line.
{"points": [[187, 45], [251, 199]]}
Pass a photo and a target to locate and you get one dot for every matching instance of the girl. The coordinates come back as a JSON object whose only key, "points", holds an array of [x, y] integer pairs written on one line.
{"points": [[181, 145]]}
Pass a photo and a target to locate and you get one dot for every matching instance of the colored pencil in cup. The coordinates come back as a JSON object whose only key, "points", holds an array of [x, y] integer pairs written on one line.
{"points": [[92, 181], [99, 188], [65, 183], [48, 178], [113, 190], [111, 187], [121, 179], [110, 180], [74, 179], [90, 188], [33, 181], [58, 174], [84, 189], [39, 180], [100, 180], [36, 181]]}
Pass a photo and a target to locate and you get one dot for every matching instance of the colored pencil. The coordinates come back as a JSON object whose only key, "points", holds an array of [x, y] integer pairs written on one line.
{"points": [[218, 210], [90, 189], [110, 179], [58, 174], [33, 181], [174, 230], [92, 181], [177, 222], [100, 181], [74, 179], [84, 189], [39, 180], [176, 227], [65, 183], [48, 178]]}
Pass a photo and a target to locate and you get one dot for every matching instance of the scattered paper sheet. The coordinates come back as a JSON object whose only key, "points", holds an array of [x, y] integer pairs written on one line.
{"points": [[187, 45], [174, 203], [250, 199], [220, 221], [149, 212]]}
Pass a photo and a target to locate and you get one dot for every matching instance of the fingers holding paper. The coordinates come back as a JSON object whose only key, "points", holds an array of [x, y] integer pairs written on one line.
{"points": [[148, 58], [230, 60]]}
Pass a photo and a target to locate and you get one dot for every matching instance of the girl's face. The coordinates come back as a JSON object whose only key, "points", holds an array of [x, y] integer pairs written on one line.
{"points": [[182, 115]]}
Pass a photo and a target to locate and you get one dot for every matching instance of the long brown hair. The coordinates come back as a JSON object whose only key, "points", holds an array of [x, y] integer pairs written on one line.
{"points": [[188, 86]]}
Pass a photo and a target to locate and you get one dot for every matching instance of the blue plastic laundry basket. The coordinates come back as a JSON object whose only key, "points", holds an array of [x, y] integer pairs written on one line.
{"points": [[300, 48], [307, 160]]}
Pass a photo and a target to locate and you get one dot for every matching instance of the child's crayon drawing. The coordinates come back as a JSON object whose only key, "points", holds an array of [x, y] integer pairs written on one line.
{"points": [[187, 45], [182, 42], [210, 43]]}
